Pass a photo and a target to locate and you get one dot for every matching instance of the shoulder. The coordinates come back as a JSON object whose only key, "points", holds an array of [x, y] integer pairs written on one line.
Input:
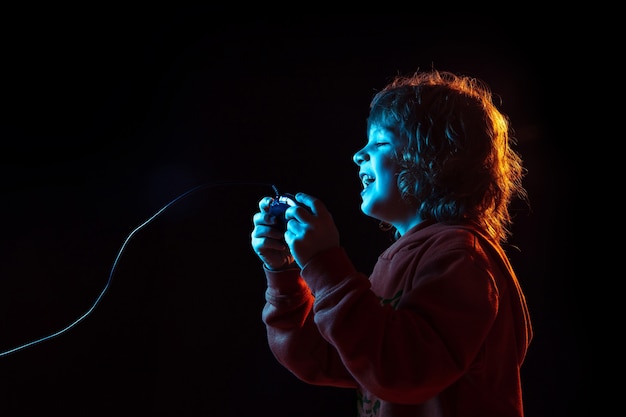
{"points": [[440, 235], [439, 241]]}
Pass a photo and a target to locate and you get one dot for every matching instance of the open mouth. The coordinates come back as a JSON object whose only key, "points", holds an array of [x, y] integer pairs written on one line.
{"points": [[366, 180]]}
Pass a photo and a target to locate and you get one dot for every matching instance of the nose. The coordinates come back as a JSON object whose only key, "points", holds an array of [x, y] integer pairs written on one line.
{"points": [[360, 156]]}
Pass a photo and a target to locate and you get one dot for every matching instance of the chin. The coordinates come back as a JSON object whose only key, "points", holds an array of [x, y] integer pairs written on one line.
{"points": [[366, 208]]}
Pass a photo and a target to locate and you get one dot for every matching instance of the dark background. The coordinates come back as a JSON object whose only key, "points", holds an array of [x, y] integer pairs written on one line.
{"points": [[109, 115]]}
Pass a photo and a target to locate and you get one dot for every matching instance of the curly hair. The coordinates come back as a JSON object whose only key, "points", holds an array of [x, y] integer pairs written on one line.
{"points": [[458, 163]]}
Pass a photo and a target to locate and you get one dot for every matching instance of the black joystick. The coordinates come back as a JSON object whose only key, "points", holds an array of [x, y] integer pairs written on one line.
{"points": [[281, 203]]}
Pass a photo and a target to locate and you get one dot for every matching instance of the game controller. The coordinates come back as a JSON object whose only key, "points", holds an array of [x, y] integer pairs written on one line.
{"points": [[280, 204]]}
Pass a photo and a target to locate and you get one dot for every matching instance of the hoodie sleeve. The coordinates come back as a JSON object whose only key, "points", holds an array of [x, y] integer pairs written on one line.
{"points": [[293, 336]]}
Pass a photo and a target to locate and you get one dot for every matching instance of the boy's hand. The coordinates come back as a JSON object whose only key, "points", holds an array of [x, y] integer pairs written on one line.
{"points": [[309, 232], [267, 239]]}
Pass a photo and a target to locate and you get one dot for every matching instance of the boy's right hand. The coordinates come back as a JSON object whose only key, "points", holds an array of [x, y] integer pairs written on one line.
{"points": [[267, 239]]}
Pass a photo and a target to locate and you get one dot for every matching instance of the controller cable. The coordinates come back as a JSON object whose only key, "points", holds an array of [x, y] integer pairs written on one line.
{"points": [[121, 250]]}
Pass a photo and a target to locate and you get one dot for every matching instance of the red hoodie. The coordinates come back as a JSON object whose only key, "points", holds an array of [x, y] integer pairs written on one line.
{"points": [[440, 327]]}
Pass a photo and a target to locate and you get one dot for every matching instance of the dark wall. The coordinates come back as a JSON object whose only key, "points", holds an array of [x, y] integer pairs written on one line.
{"points": [[110, 115]]}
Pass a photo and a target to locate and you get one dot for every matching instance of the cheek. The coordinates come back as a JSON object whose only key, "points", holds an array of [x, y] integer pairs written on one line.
{"points": [[388, 173], [386, 183]]}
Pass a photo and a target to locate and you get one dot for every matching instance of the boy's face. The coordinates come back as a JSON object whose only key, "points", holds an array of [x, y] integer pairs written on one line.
{"points": [[378, 170]]}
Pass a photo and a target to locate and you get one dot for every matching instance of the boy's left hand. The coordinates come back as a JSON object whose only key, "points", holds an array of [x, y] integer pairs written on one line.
{"points": [[309, 232]]}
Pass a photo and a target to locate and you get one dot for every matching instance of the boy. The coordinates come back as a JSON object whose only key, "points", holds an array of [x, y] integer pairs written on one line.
{"points": [[441, 326]]}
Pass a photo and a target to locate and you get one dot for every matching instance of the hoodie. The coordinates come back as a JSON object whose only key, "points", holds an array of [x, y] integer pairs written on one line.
{"points": [[440, 328]]}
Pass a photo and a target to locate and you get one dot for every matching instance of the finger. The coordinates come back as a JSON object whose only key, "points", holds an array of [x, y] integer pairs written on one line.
{"points": [[313, 204], [264, 203], [263, 245], [264, 219], [299, 214], [305, 198], [267, 231]]}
